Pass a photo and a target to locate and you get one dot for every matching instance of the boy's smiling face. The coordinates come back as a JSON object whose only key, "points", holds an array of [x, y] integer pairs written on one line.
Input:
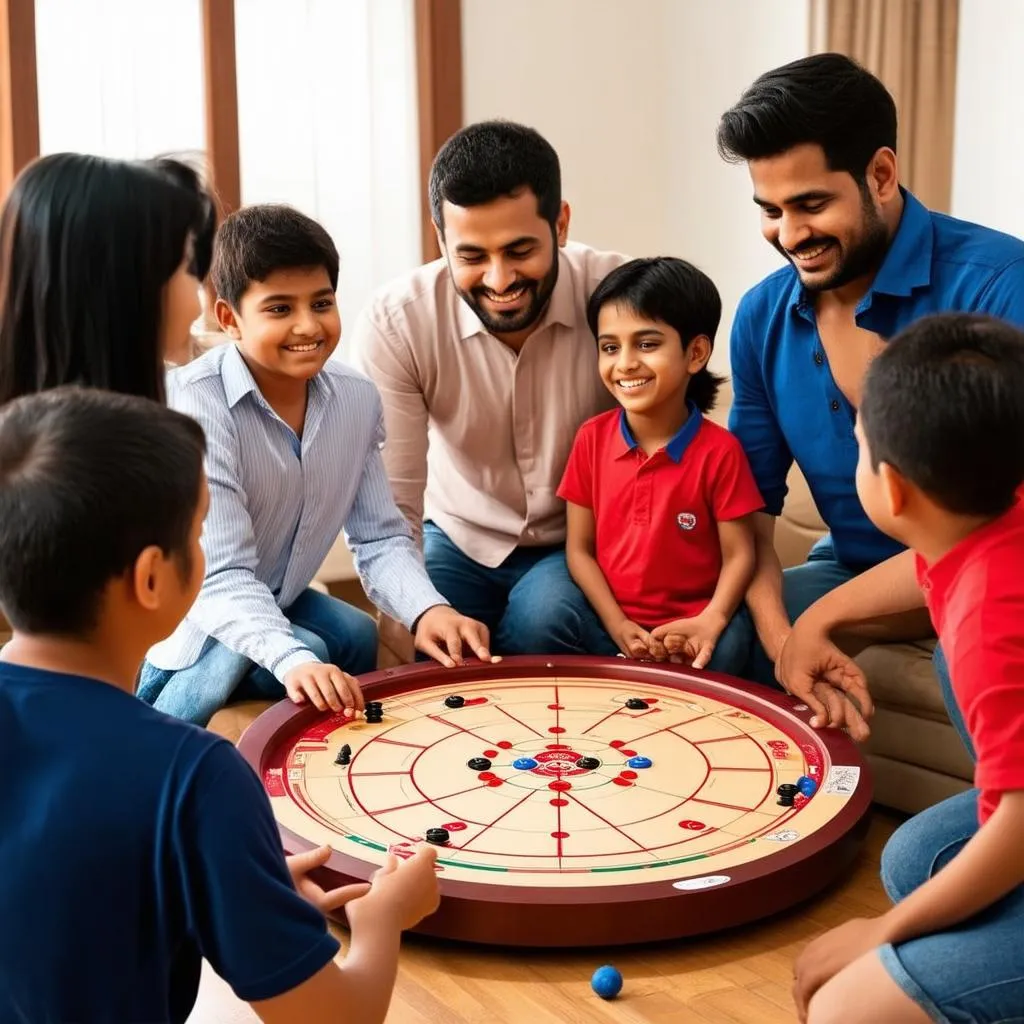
{"points": [[643, 362], [287, 325]]}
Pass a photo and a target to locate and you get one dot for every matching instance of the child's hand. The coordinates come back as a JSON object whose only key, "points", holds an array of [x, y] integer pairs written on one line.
{"points": [[402, 893], [441, 632], [828, 954], [633, 640], [691, 641], [325, 685], [301, 864]]}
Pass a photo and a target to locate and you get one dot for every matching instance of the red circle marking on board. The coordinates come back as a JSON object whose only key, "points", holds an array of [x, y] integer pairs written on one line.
{"points": [[490, 753], [560, 787], [622, 782], [559, 835], [455, 826], [494, 782], [651, 700], [627, 775], [556, 729], [504, 744], [486, 776], [557, 746], [693, 826], [627, 753], [556, 707], [559, 802], [617, 743]]}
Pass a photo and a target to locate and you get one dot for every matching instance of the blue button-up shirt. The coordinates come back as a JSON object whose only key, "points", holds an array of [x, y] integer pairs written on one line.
{"points": [[786, 403], [277, 505]]}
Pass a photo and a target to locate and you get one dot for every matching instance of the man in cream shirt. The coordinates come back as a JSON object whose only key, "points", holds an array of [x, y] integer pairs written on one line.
{"points": [[487, 368]]}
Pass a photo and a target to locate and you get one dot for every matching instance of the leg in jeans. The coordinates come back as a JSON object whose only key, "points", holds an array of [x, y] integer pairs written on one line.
{"points": [[547, 613], [949, 699], [802, 585], [472, 589], [334, 631], [926, 843], [732, 651], [195, 693], [973, 971]]}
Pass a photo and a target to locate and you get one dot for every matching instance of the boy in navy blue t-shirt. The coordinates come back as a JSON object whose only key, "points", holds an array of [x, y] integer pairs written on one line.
{"points": [[133, 845]]}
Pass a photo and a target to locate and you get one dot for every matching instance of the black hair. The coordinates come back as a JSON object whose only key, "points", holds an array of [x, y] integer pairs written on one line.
{"points": [[826, 99], [86, 247], [258, 240], [485, 161], [88, 480], [944, 405], [673, 292]]}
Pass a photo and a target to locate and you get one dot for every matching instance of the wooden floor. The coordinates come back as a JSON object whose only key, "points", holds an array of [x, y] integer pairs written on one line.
{"points": [[738, 978]]}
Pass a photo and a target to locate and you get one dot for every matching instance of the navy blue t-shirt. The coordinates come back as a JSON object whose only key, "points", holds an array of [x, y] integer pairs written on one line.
{"points": [[131, 846], [786, 404]]}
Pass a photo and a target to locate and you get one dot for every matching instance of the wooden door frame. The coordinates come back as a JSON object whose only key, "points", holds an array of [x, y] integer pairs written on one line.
{"points": [[19, 94], [439, 94]]}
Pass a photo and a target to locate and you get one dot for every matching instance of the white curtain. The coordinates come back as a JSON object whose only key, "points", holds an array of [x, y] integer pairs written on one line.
{"points": [[327, 108], [327, 122], [120, 78]]}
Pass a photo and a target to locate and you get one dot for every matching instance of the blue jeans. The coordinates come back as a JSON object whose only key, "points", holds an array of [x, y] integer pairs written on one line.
{"points": [[530, 603], [334, 631], [974, 971]]}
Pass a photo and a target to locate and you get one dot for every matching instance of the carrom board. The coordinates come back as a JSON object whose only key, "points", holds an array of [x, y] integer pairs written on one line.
{"points": [[542, 852]]}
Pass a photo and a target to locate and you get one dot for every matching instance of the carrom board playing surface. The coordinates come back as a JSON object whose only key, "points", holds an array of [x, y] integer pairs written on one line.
{"points": [[671, 826]]}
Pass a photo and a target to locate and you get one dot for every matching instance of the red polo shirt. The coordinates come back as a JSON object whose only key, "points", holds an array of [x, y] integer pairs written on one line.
{"points": [[657, 518], [975, 595]]}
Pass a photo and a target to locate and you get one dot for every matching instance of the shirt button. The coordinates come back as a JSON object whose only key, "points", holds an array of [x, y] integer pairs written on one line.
{"points": [[835, 405], [819, 358]]}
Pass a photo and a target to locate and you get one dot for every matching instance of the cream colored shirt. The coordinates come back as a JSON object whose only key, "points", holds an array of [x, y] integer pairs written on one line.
{"points": [[478, 436]]}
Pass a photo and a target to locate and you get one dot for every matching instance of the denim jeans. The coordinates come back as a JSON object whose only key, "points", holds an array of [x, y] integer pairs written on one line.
{"points": [[530, 603], [334, 631], [974, 971]]}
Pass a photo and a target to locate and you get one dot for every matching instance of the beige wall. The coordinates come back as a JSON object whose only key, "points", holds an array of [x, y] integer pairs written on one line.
{"points": [[629, 92], [988, 147]]}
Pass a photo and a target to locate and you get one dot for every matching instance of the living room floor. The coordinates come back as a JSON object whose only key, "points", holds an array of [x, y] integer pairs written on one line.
{"points": [[742, 977]]}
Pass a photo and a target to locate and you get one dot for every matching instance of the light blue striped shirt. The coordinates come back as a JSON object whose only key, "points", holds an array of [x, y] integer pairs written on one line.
{"points": [[277, 505]]}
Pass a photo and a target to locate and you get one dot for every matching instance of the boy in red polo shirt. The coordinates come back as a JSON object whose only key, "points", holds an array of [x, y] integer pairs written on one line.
{"points": [[941, 437], [659, 534]]}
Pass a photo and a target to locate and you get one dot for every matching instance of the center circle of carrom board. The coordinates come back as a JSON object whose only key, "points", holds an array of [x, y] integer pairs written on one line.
{"points": [[558, 855]]}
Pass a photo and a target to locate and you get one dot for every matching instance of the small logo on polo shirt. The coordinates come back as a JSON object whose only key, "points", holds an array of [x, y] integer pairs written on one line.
{"points": [[686, 520]]}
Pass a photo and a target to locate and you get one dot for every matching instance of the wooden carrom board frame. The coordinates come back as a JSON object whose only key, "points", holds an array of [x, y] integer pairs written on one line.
{"points": [[621, 912]]}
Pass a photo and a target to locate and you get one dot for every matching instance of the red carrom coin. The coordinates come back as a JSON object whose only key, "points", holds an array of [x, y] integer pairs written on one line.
{"points": [[678, 829]]}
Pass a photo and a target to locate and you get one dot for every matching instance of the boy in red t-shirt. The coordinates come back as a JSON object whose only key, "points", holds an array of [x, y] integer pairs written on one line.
{"points": [[659, 534], [941, 437]]}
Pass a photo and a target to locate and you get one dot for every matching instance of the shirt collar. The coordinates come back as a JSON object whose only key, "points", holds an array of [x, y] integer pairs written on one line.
{"points": [[676, 447], [908, 261], [239, 381], [561, 307]]}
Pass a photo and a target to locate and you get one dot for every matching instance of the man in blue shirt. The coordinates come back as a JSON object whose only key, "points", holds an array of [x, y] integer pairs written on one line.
{"points": [[294, 456], [866, 258], [132, 845]]}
